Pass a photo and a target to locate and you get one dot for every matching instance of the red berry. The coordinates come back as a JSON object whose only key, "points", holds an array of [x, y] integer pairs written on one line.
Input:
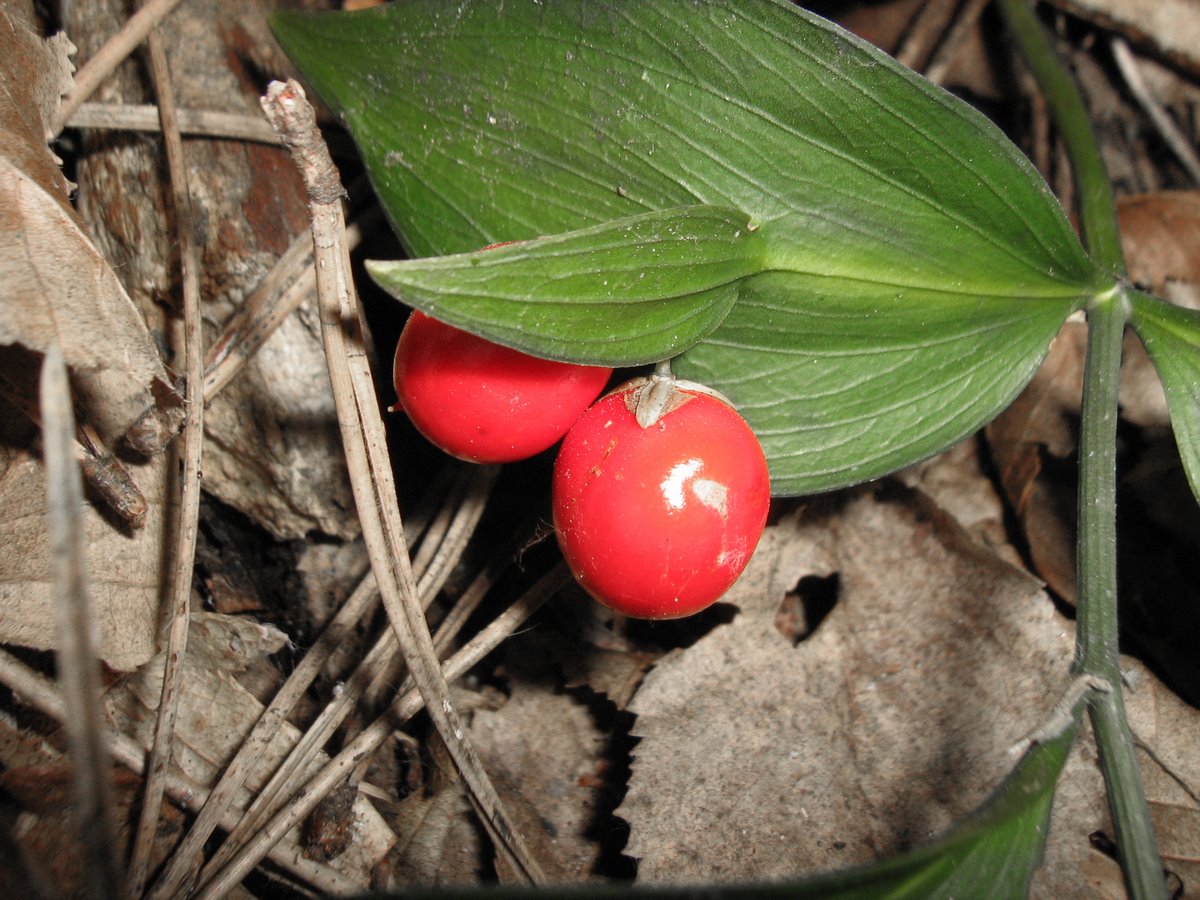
{"points": [[483, 402], [657, 522]]}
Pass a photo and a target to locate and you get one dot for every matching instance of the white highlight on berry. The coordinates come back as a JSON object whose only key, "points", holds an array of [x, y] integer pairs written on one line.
{"points": [[674, 484]]}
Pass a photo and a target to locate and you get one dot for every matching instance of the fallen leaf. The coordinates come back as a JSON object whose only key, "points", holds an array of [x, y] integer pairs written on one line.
{"points": [[1160, 233], [760, 759], [59, 289], [546, 746], [124, 568], [1167, 732]]}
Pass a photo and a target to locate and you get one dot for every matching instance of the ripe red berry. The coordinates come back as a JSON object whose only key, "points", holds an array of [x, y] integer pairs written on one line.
{"points": [[657, 522], [483, 402]]}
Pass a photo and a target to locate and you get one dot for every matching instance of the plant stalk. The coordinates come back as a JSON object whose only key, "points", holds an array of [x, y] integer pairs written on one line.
{"points": [[1097, 650], [1097, 209]]}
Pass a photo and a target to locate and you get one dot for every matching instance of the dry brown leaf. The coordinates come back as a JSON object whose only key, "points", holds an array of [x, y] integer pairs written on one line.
{"points": [[760, 759], [59, 289], [1167, 732], [896, 714], [1033, 444], [124, 569], [546, 746], [439, 846], [215, 715], [1161, 236]]}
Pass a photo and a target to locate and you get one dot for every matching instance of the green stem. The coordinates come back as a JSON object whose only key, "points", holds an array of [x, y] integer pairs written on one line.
{"points": [[1097, 650], [1096, 646], [1097, 209]]}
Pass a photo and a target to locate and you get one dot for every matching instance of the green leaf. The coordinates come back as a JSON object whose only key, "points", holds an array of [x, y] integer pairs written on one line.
{"points": [[913, 264], [1172, 338], [838, 396], [624, 293], [992, 853]]}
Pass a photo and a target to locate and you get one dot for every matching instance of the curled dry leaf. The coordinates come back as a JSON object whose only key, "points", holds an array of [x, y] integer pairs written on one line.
{"points": [[59, 289]]}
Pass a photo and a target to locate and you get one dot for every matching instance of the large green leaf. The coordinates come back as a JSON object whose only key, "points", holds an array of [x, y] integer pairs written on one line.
{"points": [[886, 210], [1172, 338], [650, 284], [992, 853], [836, 396]]}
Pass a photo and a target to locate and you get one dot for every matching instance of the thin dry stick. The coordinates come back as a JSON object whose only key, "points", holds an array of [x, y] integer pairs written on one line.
{"points": [[78, 667], [108, 57], [368, 461], [276, 792], [186, 861], [341, 766], [924, 33], [266, 309], [435, 533], [1131, 71], [179, 588], [37, 692], [208, 123], [434, 566], [955, 38]]}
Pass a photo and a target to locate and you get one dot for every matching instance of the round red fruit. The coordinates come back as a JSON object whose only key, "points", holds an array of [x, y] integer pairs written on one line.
{"points": [[483, 402], [657, 520]]}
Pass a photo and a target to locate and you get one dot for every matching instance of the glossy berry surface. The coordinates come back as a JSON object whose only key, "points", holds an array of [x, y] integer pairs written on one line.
{"points": [[483, 402], [658, 522]]}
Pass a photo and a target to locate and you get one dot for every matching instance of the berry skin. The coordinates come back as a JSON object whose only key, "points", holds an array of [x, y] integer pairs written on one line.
{"points": [[483, 402], [657, 522]]}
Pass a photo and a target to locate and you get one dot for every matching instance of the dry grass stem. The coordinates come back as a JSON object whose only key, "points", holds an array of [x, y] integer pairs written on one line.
{"points": [[284, 781], [37, 692], [954, 40], [108, 57], [369, 462], [188, 857], [344, 764], [439, 553], [1131, 71], [272, 795], [209, 123], [281, 291], [78, 665], [924, 32], [179, 585]]}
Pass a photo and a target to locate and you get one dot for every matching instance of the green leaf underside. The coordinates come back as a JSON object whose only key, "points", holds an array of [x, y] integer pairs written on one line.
{"points": [[624, 293], [837, 397], [1172, 338], [993, 852], [869, 188]]}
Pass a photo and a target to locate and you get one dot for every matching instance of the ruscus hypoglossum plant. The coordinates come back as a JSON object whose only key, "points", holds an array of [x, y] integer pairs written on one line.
{"points": [[861, 263]]}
